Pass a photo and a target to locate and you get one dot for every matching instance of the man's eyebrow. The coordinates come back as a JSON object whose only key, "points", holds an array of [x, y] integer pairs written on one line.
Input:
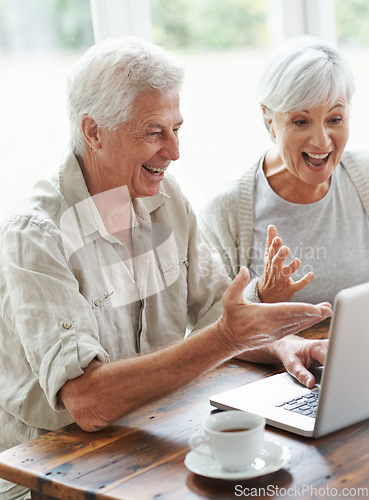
{"points": [[154, 125], [161, 126]]}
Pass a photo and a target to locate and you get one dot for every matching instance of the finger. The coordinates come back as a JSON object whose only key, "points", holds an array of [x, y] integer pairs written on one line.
{"points": [[301, 373], [308, 278], [297, 310], [298, 325], [234, 292], [287, 271], [273, 250], [273, 242], [280, 257], [325, 308], [271, 234], [319, 351]]}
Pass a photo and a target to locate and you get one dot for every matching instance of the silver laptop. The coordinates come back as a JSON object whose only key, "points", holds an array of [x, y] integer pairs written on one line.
{"points": [[341, 396]]}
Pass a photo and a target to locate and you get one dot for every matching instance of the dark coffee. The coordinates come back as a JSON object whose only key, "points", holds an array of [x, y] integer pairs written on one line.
{"points": [[236, 429]]}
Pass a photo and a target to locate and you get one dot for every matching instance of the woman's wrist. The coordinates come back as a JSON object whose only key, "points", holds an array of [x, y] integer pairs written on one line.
{"points": [[252, 291]]}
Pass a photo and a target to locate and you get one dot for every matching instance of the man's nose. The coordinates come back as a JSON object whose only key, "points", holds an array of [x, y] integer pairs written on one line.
{"points": [[170, 148]]}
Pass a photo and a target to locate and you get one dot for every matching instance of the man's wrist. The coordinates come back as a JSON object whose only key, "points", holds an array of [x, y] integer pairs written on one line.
{"points": [[226, 338]]}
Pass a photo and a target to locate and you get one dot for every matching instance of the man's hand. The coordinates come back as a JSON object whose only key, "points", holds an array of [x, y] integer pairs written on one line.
{"points": [[276, 283], [94, 399], [298, 354], [245, 325]]}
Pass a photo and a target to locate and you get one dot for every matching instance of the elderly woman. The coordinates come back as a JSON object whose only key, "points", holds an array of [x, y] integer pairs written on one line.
{"points": [[316, 194]]}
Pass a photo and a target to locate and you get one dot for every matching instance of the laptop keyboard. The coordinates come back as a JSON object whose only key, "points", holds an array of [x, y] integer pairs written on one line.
{"points": [[305, 405]]}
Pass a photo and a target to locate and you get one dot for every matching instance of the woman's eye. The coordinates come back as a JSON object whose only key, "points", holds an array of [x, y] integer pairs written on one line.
{"points": [[336, 119], [300, 123]]}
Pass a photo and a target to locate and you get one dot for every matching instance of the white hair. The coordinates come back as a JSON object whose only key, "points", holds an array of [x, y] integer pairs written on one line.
{"points": [[303, 73], [106, 80]]}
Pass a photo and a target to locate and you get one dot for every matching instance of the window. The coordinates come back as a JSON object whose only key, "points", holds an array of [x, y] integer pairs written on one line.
{"points": [[352, 20], [39, 41], [222, 46]]}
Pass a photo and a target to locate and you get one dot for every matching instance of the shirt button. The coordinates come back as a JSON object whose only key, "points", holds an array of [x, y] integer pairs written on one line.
{"points": [[67, 325], [97, 302]]}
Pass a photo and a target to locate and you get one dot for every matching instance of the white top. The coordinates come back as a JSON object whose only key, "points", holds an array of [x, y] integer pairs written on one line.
{"points": [[320, 234]]}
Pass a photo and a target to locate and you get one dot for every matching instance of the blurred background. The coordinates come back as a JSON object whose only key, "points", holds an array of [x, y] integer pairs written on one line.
{"points": [[222, 45]]}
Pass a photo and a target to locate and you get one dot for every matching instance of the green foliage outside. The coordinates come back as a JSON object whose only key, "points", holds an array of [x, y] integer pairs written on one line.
{"points": [[188, 25], [73, 23], [209, 24], [352, 21], [40, 24], [217, 24]]}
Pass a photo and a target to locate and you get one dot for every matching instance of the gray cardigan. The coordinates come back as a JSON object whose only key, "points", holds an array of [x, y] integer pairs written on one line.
{"points": [[228, 219]]}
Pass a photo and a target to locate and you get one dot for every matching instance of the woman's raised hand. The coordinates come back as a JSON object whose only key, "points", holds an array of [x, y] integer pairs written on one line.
{"points": [[276, 283]]}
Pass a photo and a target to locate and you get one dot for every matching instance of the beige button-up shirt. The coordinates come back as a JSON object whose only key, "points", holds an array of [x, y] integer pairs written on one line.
{"points": [[71, 292]]}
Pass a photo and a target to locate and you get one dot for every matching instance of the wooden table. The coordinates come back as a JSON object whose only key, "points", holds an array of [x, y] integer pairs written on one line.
{"points": [[142, 456]]}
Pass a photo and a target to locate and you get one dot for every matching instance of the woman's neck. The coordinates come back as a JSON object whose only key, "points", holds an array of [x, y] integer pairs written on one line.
{"points": [[287, 185]]}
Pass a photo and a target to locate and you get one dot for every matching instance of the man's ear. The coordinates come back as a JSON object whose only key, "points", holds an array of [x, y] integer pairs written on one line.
{"points": [[91, 132]]}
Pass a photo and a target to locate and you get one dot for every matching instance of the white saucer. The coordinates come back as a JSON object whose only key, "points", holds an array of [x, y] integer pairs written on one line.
{"points": [[272, 458]]}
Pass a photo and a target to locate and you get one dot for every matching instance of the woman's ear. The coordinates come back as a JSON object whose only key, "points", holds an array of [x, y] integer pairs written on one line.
{"points": [[268, 120], [90, 131]]}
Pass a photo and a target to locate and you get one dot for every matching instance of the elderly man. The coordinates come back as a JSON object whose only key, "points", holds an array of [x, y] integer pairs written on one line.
{"points": [[105, 261]]}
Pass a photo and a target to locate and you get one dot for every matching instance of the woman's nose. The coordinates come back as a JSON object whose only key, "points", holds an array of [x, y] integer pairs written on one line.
{"points": [[321, 138]]}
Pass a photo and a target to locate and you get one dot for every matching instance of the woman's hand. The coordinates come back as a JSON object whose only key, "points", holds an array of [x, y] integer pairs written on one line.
{"points": [[276, 283]]}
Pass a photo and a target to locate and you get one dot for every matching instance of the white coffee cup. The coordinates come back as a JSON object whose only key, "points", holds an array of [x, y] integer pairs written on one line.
{"points": [[233, 438]]}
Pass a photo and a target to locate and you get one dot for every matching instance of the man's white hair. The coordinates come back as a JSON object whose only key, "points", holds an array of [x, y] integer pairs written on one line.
{"points": [[106, 80]]}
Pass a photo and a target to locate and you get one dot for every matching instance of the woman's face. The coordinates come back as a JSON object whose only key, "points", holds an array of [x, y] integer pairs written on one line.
{"points": [[310, 142]]}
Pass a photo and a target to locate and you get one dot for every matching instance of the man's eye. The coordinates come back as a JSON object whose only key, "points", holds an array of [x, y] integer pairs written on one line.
{"points": [[300, 123], [337, 119]]}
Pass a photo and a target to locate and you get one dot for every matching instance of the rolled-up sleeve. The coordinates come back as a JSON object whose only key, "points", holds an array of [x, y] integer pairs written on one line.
{"points": [[47, 317]]}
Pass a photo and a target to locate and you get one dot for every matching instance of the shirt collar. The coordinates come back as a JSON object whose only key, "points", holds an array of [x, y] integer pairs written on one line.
{"points": [[145, 206]]}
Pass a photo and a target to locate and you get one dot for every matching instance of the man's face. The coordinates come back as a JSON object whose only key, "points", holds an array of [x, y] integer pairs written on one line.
{"points": [[137, 154]]}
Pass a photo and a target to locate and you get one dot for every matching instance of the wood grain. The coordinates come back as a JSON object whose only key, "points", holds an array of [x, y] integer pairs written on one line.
{"points": [[142, 456]]}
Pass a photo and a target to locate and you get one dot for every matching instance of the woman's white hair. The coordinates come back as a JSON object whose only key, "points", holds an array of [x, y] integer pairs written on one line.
{"points": [[106, 80], [303, 73]]}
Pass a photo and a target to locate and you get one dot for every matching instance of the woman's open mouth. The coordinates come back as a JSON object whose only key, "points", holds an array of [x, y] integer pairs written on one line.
{"points": [[315, 160]]}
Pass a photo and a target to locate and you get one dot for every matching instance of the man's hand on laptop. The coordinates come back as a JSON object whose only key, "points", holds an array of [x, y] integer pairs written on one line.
{"points": [[296, 353], [299, 354]]}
